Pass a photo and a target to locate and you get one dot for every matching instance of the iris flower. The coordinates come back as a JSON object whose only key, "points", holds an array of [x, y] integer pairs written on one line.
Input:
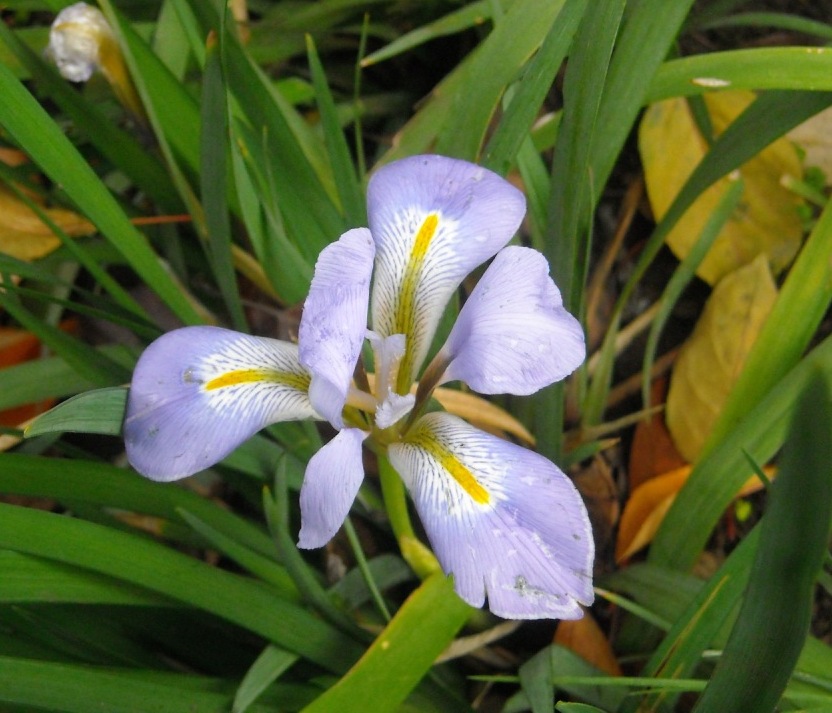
{"points": [[503, 520]]}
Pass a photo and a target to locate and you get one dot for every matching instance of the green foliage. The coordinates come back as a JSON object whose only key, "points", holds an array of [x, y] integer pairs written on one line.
{"points": [[210, 205]]}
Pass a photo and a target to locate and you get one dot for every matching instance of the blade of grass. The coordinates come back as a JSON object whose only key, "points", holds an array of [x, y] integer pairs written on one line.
{"points": [[160, 569], [530, 91], [51, 377], [118, 146], [213, 181], [758, 660], [494, 65], [402, 654], [32, 579], [806, 68], [768, 118], [104, 485], [778, 20], [446, 123], [42, 139], [572, 189], [268, 667], [796, 314], [99, 411], [346, 181], [89, 364], [471, 15], [73, 688]]}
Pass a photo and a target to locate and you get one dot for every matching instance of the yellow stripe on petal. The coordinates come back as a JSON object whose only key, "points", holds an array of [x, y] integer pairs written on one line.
{"points": [[249, 376], [405, 322], [452, 465]]}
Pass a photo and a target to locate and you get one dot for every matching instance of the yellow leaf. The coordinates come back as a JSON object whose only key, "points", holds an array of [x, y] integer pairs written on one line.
{"points": [[25, 236], [814, 137], [710, 362], [766, 221]]}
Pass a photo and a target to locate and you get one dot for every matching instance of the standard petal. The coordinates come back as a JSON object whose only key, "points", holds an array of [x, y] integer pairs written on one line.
{"points": [[334, 320], [433, 219], [506, 522], [330, 485], [513, 335], [199, 392]]}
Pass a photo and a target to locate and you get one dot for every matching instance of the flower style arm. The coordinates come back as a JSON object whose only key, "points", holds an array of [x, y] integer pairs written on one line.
{"points": [[506, 522], [198, 392], [334, 320], [513, 335], [433, 220]]}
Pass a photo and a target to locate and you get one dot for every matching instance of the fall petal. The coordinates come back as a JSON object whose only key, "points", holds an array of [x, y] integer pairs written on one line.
{"points": [[197, 393], [433, 220], [506, 522], [513, 335], [334, 320], [331, 482]]}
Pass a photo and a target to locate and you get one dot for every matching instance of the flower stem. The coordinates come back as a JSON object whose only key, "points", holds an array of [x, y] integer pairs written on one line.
{"points": [[416, 554]]}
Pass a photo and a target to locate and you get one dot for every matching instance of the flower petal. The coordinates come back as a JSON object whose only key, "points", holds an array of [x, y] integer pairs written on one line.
{"points": [[506, 522], [199, 392], [513, 335], [433, 219], [330, 485], [334, 320]]}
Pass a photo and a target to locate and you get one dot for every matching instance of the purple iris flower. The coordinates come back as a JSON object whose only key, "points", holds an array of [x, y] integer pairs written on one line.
{"points": [[503, 520]]}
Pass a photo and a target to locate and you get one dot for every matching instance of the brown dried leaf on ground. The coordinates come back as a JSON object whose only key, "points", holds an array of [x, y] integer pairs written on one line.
{"points": [[586, 639], [653, 451], [766, 221], [649, 503], [711, 360]]}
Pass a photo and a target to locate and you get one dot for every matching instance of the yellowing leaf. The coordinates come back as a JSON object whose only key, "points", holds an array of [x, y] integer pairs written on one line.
{"points": [[766, 221], [814, 137], [710, 362], [649, 503], [25, 236]]}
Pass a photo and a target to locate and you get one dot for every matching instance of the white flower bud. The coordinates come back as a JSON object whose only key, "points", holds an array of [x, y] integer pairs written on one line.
{"points": [[75, 41]]}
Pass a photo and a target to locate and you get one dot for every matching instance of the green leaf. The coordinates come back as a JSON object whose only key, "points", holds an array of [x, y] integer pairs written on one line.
{"points": [[758, 660], [807, 68], [32, 579], [456, 118], [768, 118], [99, 411], [42, 139], [51, 377], [148, 564], [118, 146], [471, 15], [104, 485], [213, 183], [73, 688], [263, 673], [530, 91], [402, 654], [346, 180], [794, 318]]}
